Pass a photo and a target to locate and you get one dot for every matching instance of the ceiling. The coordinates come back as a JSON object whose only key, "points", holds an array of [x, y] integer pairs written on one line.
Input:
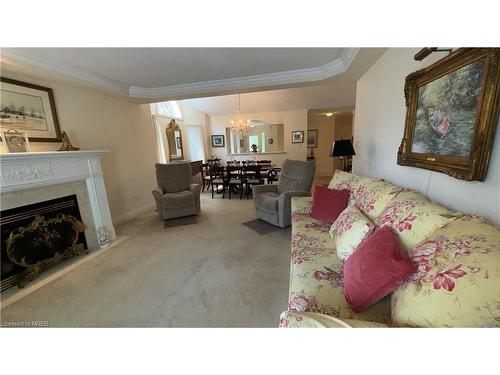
{"points": [[338, 92], [152, 74]]}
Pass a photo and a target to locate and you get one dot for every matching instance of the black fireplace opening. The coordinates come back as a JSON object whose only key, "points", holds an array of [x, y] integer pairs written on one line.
{"points": [[38, 236]]}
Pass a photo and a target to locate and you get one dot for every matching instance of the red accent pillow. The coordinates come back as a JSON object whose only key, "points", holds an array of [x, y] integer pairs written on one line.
{"points": [[328, 204], [375, 269]]}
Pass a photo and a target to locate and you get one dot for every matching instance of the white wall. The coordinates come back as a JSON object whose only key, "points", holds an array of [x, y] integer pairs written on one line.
{"points": [[379, 125], [292, 120], [97, 121]]}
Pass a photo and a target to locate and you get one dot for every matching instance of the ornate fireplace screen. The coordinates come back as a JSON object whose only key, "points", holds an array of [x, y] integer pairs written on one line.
{"points": [[53, 233]]}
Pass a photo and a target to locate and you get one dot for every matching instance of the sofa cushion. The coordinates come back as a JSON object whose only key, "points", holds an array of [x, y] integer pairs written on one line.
{"points": [[355, 184], [349, 230], [316, 279], [376, 197], [328, 203], [458, 278], [178, 200], [267, 202], [290, 319], [414, 218], [377, 267]]}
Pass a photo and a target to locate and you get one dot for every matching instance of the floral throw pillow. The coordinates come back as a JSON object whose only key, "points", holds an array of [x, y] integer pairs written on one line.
{"points": [[414, 218], [457, 278], [349, 230], [376, 197], [347, 181]]}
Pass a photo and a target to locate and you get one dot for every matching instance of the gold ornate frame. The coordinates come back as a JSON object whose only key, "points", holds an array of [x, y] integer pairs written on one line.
{"points": [[475, 166]]}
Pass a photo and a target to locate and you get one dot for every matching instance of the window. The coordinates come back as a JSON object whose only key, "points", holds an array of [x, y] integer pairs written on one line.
{"points": [[195, 142], [169, 109]]}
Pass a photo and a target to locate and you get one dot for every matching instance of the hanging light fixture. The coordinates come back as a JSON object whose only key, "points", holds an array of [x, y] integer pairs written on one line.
{"points": [[239, 125]]}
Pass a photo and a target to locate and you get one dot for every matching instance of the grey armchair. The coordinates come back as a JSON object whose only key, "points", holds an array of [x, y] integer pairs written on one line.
{"points": [[175, 195], [273, 202]]}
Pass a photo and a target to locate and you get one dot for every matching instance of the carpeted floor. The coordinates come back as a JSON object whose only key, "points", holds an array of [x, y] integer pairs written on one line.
{"points": [[209, 271]]}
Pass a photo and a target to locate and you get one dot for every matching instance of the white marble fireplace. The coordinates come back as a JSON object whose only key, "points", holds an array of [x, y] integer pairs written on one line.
{"points": [[28, 177]]}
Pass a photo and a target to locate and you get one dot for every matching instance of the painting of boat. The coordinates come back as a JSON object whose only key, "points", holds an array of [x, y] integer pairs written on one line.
{"points": [[439, 124]]}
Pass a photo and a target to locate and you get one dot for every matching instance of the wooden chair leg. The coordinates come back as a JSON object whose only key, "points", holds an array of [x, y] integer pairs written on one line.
{"points": [[212, 191]]}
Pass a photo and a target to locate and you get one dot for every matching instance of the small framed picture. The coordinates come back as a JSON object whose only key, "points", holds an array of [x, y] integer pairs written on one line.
{"points": [[312, 138], [297, 136], [218, 141], [15, 142]]}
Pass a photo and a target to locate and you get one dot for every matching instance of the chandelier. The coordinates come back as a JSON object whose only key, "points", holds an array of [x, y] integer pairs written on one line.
{"points": [[239, 125]]}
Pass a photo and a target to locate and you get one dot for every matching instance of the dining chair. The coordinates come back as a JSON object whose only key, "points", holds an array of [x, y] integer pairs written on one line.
{"points": [[235, 179], [252, 177], [205, 177], [273, 175], [217, 179]]}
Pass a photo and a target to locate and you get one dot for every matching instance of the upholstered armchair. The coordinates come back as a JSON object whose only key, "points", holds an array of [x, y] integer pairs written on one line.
{"points": [[273, 202], [175, 195]]}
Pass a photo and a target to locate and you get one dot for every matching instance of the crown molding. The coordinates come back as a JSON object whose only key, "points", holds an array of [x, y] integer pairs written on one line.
{"points": [[27, 57], [206, 88]]}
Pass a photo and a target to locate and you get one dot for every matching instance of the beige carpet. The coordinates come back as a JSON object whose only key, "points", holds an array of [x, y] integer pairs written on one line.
{"points": [[209, 271]]}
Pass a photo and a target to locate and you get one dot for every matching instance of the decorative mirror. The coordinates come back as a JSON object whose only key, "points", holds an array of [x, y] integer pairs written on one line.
{"points": [[174, 139], [264, 136]]}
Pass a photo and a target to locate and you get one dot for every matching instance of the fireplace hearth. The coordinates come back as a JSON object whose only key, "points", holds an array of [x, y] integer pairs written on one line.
{"points": [[38, 236]]}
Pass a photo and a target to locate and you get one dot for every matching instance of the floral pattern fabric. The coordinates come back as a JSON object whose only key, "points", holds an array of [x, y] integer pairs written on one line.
{"points": [[290, 319], [458, 279], [414, 218], [316, 278], [376, 197], [355, 184], [349, 230]]}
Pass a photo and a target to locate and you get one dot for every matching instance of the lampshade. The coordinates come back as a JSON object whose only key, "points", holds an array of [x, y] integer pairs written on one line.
{"points": [[342, 148]]}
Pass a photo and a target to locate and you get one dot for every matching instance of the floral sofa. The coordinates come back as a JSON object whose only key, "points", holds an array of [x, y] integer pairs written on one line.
{"points": [[457, 256]]}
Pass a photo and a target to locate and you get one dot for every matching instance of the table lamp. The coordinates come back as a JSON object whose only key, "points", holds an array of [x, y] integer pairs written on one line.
{"points": [[341, 148]]}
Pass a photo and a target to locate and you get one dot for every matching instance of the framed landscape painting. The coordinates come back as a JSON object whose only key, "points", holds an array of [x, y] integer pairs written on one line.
{"points": [[29, 109], [452, 114]]}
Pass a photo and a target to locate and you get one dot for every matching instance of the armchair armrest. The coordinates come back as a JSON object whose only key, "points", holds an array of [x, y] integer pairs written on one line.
{"points": [[196, 189], [291, 319], [157, 192], [285, 205], [259, 189]]}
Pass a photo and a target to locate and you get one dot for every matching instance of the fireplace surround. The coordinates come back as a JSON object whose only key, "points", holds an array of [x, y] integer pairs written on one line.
{"points": [[30, 178]]}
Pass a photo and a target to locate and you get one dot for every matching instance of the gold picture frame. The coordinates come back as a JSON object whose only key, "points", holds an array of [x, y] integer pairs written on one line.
{"points": [[15, 141], [452, 114]]}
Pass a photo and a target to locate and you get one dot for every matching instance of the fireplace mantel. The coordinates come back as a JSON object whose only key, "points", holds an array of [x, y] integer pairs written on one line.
{"points": [[37, 169]]}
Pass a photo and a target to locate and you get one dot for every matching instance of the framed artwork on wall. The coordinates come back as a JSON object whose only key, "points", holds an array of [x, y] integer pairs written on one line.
{"points": [[452, 113], [297, 136], [15, 141], [29, 109], [312, 138], [218, 141]]}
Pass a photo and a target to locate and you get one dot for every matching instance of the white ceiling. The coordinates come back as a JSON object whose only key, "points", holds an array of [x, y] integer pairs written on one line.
{"points": [[152, 74], [337, 92], [157, 67]]}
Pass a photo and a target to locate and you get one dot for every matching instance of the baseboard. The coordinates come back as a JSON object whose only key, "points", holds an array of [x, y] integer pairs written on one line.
{"points": [[132, 214]]}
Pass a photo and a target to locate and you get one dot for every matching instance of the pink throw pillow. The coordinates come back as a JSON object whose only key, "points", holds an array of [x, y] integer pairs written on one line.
{"points": [[375, 269], [328, 204]]}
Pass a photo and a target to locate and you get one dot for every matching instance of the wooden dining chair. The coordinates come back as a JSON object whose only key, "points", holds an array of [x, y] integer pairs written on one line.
{"points": [[273, 175], [235, 179], [217, 178], [253, 177], [205, 177]]}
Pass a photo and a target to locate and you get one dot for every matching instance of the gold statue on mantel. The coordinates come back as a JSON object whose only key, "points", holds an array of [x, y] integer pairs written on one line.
{"points": [[66, 144]]}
